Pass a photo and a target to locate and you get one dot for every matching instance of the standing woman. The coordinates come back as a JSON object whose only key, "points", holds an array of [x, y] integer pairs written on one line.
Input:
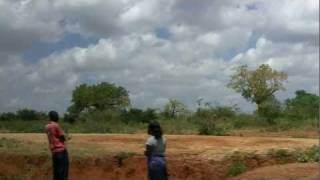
{"points": [[155, 152]]}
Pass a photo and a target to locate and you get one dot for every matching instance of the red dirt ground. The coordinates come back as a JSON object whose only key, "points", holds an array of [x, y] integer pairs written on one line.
{"points": [[309, 171], [190, 157]]}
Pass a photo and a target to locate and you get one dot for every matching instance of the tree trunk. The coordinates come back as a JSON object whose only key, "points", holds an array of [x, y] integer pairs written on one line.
{"points": [[259, 109]]}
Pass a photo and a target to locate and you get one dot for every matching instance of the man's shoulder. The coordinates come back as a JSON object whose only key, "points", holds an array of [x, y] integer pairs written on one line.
{"points": [[51, 125]]}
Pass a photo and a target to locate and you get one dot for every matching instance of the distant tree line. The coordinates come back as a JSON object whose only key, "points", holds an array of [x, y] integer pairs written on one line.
{"points": [[257, 86], [23, 114]]}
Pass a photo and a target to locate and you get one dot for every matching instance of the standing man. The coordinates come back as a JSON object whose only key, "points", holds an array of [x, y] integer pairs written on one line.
{"points": [[57, 147]]}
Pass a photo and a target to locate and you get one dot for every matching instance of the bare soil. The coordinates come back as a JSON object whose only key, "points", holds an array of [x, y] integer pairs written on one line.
{"points": [[120, 157], [296, 171]]}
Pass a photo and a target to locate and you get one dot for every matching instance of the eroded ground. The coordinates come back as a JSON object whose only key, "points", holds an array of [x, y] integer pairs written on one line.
{"points": [[120, 157]]}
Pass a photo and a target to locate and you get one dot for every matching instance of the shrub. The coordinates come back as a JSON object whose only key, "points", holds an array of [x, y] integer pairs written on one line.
{"points": [[270, 109], [209, 127], [9, 116], [138, 115], [237, 168], [312, 154], [279, 153], [29, 114]]}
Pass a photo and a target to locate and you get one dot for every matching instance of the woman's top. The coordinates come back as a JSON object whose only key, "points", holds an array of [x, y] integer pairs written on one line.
{"points": [[158, 146]]}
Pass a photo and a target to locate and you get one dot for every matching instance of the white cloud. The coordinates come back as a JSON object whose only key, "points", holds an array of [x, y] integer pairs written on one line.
{"points": [[195, 61]]}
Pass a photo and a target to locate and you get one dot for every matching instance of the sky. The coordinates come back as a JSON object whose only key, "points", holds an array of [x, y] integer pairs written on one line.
{"points": [[156, 49]]}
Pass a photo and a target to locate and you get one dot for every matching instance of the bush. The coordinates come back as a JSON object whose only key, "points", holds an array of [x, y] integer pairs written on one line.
{"points": [[219, 112], [303, 106], [279, 153], [9, 116], [244, 120], [138, 115], [237, 168], [310, 155], [270, 109], [209, 127], [23, 114], [69, 118], [21, 126], [179, 125]]}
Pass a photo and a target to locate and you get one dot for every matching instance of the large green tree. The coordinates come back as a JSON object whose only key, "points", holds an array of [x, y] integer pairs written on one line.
{"points": [[257, 85], [103, 96], [303, 106]]}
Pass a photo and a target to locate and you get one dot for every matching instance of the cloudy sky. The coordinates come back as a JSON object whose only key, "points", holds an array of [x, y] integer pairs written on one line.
{"points": [[157, 49]]}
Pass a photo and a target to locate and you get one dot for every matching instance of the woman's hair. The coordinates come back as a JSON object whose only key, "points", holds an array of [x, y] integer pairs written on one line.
{"points": [[53, 116], [155, 129]]}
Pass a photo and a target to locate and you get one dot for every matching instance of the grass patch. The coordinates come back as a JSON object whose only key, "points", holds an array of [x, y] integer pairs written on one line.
{"points": [[279, 153], [237, 168], [13, 146], [311, 154]]}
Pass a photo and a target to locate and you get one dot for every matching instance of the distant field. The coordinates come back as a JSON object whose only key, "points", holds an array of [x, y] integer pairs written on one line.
{"points": [[115, 156]]}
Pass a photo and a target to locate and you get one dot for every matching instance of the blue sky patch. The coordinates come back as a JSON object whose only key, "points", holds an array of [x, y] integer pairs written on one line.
{"points": [[251, 7], [42, 49], [162, 33]]}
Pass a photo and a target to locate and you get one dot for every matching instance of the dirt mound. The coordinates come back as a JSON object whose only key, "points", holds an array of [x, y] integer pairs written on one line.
{"points": [[120, 157], [295, 171], [134, 168], [107, 168]]}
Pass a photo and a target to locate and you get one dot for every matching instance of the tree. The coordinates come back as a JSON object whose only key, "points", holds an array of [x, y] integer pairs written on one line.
{"points": [[174, 107], [103, 96], [257, 85], [303, 106], [271, 109], [29, 114], [8, 116]]}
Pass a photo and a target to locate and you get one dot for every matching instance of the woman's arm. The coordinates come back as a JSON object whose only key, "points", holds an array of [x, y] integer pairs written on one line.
{"points": [[147, 152]]}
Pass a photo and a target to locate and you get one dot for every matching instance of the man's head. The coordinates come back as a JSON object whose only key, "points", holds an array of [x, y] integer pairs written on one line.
{"points": [[53, 116]]}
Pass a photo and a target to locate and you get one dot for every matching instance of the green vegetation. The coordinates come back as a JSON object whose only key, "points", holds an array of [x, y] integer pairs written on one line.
{"points": [[237, 168], [241, 160], [105, 108], [257, 85], [10, 145], [311, 154], [23, 114], [100, 97]]}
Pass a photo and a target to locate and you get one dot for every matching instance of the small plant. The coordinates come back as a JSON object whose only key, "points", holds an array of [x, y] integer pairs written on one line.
{"points": [[237, 168], [312, 154], [121, 156], [279, 153]]}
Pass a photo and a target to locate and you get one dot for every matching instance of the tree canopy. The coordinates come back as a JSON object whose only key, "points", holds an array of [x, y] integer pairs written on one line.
{"points": [[304, 105], [103, 96], [174, 108], [257, 85]]}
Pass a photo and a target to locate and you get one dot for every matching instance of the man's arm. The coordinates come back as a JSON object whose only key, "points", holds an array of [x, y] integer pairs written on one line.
{"points": [[62, 138], [61, 135]]}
